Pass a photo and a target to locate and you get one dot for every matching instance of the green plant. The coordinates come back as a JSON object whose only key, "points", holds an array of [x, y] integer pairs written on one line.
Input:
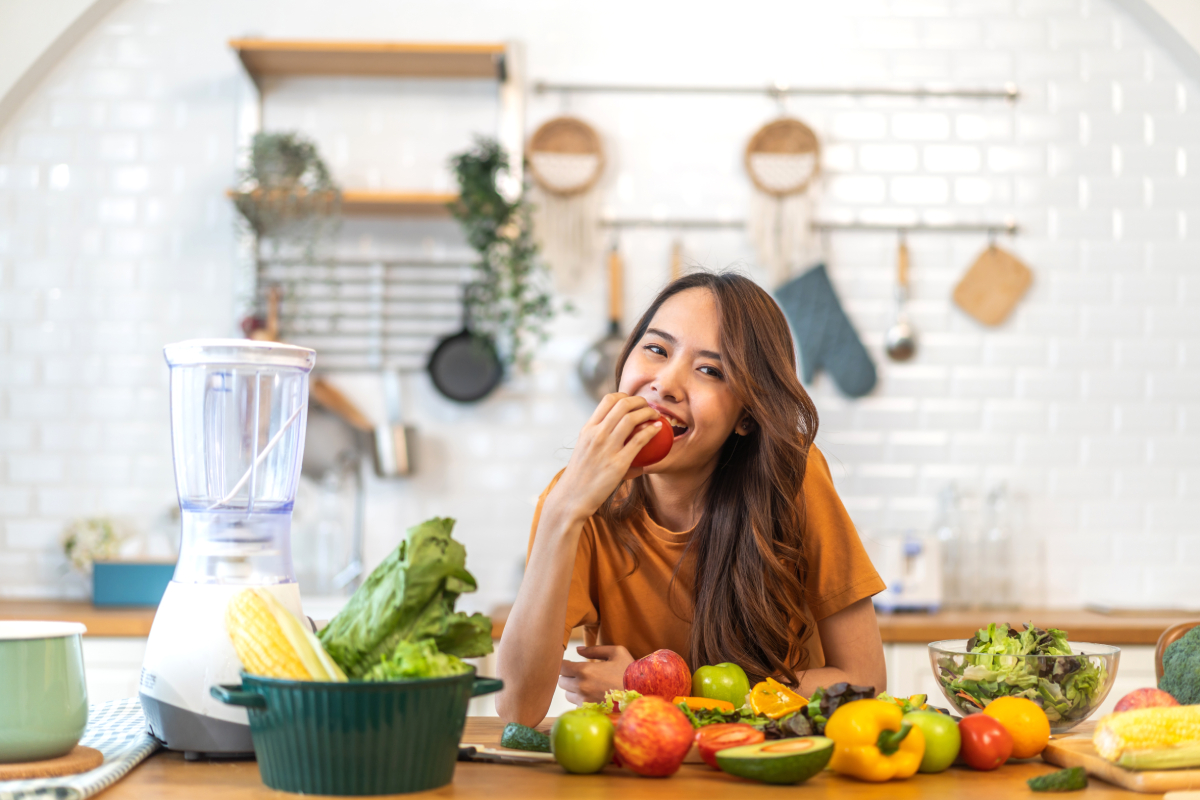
{"points": [[510, 299], [286, 192], [85, 541]]}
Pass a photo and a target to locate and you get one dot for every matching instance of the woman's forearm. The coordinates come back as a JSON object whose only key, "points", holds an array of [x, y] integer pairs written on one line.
{"points": [[530, 654]]}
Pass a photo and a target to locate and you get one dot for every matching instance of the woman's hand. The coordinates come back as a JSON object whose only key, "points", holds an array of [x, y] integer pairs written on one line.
{"points": [[587, 681], [601, 459]]}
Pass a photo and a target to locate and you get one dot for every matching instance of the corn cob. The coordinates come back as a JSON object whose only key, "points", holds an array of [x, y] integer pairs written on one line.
{"points": [[272, 643], [1151, 738]]}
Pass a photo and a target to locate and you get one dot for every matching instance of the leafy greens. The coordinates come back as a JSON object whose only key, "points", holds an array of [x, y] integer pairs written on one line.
{"points": [[1005, 662], [401, 622]]}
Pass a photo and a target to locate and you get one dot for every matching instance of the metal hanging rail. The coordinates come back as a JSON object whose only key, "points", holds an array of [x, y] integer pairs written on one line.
{"points": [[1007, 92], [1008, 227]]}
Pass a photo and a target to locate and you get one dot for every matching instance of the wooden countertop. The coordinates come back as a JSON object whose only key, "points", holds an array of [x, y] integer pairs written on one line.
{"points": [[166, 776], [1122, 628]]}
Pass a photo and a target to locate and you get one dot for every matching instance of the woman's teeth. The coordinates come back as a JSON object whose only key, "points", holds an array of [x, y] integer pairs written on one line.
{"points": [[676, 425]]}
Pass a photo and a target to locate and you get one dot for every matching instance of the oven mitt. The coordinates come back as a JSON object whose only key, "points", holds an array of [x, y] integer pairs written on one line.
{"points": [[826, 338]]}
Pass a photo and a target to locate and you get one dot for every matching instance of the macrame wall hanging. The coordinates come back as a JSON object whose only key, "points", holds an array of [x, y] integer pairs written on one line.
{"points": [[566, 160], [782, 159]]}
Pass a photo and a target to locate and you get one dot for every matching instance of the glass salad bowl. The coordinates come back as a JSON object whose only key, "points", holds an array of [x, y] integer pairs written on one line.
{"points": [[1067, 687]]}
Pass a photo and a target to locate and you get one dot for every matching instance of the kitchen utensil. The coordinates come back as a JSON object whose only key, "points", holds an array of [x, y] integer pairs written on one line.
{"points": [[501, 755], [79, 759], [598, 365], [991, 288], [465, 367], [43, 696], [952, 655], [238, 419], [676, 260], [395, 442], [358, 737], [328, 395], [900, 342], [270, 333], [826, 336], [1077, 751]]}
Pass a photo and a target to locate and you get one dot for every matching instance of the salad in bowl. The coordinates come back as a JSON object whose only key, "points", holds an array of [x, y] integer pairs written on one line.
{"points": [[1069, 680]]}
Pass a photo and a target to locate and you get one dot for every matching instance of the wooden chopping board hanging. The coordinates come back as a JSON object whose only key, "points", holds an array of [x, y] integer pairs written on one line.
{"points": [[993, 286]]}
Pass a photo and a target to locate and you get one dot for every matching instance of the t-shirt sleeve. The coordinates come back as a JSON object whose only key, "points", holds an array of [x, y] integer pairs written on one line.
{"points": [[840, 572], [580, 608]]}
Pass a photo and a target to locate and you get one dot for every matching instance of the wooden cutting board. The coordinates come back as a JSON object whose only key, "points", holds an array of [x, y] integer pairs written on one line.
{"points": [[1077, 751], [993, 286]]}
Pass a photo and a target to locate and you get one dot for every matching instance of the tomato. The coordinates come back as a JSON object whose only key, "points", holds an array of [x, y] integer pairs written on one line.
{"points": [[723, 681], [986, 744], [942, 739], [582, 741], [657, 448], [712, 738]]}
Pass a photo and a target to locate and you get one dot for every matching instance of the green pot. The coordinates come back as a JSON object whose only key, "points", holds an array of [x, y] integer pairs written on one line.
{"points": [[43, 696], [356, 738]]}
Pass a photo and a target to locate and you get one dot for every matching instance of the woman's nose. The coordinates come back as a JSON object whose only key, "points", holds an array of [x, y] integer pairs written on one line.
{"points": [[670, 379]]}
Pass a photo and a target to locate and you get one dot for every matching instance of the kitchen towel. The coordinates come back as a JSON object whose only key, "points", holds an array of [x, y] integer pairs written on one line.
{"points": [[827, 339], [117, 729]]}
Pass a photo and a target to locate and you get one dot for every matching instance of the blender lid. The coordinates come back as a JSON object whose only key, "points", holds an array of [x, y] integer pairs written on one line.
{"points": [[194, 352]]}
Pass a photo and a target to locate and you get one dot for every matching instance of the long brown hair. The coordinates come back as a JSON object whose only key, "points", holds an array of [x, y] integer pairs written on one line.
{"points": [[750, 564]]}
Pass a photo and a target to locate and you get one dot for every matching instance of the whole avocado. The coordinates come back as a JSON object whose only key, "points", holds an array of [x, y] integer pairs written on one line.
{"points": [[1181, 668]]}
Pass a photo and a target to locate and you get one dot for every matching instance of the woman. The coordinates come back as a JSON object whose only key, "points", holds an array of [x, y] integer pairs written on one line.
{"points": [[735, 547]]}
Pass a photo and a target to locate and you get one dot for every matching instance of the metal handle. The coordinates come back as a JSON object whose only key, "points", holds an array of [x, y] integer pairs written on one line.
{"points": [[232, 694], [483, 686]]}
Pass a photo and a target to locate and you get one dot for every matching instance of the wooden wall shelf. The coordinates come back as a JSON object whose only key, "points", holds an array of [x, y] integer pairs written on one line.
{"points": [[272, 58], [412, 204]]}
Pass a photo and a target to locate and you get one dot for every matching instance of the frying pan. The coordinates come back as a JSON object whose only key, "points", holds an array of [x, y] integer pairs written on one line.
{"points": [[465, 366], [598, 365]]}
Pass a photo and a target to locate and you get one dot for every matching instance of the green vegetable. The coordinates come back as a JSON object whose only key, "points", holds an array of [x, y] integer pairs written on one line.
{"points": [[1065, 780], [1181, 668], [614, 701], [403, 616], [419, 659], [1003, 662], [827, 699], [519, 737], [790, 761]]}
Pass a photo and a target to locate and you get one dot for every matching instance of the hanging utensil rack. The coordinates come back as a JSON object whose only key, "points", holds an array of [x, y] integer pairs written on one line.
{"points": [[1008, 227], [368, 313], [777, 91]]}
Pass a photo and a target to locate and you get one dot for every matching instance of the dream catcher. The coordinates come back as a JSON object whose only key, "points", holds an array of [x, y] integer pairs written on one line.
{"points": [[566, 160], [782, 159]]}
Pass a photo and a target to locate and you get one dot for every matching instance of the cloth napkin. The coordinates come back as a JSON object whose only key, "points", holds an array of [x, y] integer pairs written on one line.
{"points": [[117, 729]]}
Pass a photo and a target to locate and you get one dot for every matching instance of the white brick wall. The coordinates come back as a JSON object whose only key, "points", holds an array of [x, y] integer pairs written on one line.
{"points": [[115, 238]]}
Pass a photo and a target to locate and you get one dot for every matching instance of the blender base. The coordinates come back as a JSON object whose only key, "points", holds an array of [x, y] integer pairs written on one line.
{"points": [[197, 735]]}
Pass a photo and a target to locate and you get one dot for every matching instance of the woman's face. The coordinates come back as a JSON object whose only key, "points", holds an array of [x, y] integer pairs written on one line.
{"points": [[677, 367]]}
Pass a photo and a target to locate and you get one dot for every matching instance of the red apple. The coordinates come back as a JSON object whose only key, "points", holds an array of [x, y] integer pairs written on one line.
{"points": [[1145, 698], [652, 737], [663, 674]]}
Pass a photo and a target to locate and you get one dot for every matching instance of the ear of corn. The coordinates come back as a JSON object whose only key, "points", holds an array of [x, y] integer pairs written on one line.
{"points": [[1150, 738], [271, 642]]}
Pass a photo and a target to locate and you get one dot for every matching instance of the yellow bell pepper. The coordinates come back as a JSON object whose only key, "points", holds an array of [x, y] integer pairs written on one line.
{"points": [[772, 699], [873, 743]]}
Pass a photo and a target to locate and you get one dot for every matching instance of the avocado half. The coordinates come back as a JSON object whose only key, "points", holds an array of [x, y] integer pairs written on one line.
{"points": [[778, 760]]}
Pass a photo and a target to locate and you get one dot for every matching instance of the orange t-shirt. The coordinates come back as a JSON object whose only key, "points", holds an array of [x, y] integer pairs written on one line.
{"points": [[643, 612]]}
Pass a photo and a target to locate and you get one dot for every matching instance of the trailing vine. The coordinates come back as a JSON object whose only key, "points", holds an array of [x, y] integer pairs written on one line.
{"points": [[510, 298], [286, 192]]}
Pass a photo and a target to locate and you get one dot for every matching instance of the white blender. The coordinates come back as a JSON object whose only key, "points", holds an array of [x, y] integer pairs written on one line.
{"points": [[238, 413]]}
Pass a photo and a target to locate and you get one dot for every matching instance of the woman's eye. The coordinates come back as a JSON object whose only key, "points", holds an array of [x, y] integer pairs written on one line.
{"points": [[712, 371], [656, 349]]}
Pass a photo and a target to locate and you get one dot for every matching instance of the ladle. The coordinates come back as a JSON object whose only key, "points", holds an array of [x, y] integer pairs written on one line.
{"points": [[900, 342]]}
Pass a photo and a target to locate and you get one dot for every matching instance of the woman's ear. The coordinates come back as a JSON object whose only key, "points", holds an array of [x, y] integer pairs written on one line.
{"points": [[746, 425]]}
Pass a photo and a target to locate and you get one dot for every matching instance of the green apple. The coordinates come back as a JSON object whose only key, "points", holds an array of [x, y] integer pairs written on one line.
{"points": [[723, 681], [582, 741], [942, 739]]}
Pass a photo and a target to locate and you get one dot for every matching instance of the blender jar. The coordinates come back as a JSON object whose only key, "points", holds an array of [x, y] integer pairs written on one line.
{"points": [[238, 414]]}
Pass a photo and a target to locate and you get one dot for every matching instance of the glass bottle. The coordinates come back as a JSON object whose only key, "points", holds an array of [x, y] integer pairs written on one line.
{"points": [[948, 530], [996, 551]]}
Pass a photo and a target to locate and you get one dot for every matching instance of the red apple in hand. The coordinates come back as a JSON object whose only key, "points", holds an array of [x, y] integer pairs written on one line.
{"points": [[663, 674], [1145, 698], [652, 737]]}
